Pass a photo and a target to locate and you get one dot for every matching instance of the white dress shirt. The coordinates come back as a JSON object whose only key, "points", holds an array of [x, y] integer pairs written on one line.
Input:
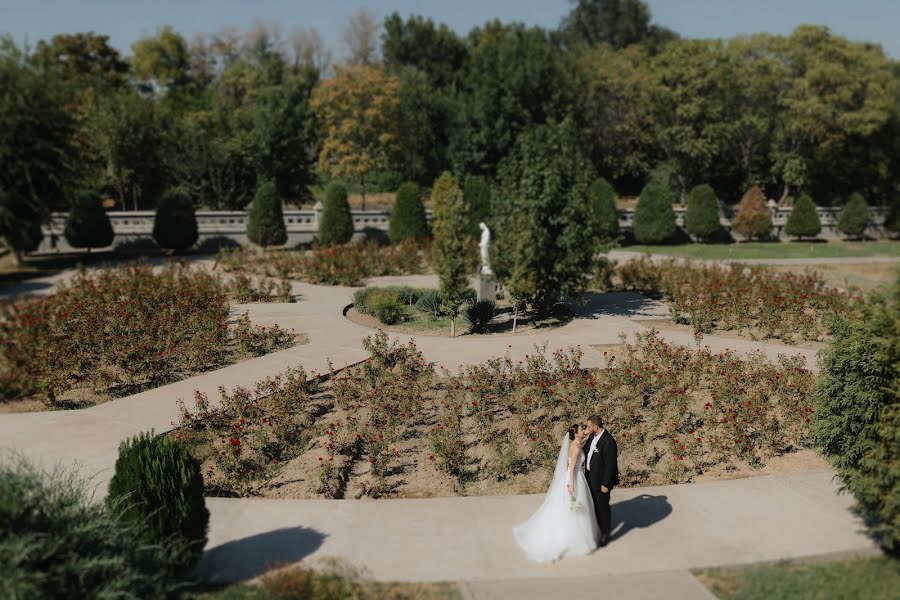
{"points": [[593, 448]]}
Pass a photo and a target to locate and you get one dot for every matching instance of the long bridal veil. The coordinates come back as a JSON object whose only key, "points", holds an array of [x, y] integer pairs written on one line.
{"points": [[555, 529]]}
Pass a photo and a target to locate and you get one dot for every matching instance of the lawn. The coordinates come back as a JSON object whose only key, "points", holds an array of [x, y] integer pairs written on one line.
{"points": [[876, 578], [766, 250]]}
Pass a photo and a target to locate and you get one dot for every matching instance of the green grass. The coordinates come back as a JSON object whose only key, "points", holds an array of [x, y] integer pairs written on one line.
{"points": [[876, 578], [776, 249]]}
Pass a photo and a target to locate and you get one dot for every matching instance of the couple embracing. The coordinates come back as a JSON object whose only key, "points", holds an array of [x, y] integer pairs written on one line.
{"points": [[574, 517]]}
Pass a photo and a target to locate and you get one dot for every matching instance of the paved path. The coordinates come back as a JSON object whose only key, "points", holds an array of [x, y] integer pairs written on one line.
{"points": [[666, 529], [469, 539]]}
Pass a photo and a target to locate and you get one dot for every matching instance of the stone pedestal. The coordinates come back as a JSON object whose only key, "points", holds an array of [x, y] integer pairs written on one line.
{"points": [[487, 287]]}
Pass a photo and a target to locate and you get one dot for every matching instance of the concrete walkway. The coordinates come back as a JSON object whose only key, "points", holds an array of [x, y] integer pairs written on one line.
{"points": [[662, 530]]}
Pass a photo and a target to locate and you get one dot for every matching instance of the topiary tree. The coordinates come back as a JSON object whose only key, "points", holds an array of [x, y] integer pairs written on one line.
{"points": [[449, 249], [477, 196], [654, 218], [175, 223], [701, 219], [157, 482], [408, 218], [857, 417], [336, 226], [804, 220], [854, 217], [57, 542], [87, 224], [753, 219], [265, 224], [602, 197]]}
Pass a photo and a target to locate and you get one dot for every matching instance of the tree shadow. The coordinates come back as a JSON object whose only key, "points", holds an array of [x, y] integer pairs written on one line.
{"points": [[252, 556], [638, 512], [617, 304]]}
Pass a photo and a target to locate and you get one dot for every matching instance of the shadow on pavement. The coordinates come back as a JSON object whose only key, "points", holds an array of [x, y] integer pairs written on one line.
{"points": [[638, 512], [617, 304], [249, 557]]}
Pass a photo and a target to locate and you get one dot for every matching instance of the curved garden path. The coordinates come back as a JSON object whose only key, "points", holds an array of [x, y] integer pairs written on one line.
{"points": [[661, 530]]}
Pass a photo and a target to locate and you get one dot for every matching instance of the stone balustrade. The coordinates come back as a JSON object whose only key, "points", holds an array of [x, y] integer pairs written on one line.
{"points": [[216, 227]]}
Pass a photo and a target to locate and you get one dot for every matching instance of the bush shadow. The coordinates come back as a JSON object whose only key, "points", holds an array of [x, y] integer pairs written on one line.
{"points": [[617, 304], [252, 556], [638, 513]]}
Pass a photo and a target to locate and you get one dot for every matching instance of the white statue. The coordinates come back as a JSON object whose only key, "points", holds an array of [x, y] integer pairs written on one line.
{"points": [[484, 245]]}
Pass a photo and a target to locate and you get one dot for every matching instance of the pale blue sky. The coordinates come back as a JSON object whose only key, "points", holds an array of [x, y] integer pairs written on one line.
{"points": [[126, 20]]}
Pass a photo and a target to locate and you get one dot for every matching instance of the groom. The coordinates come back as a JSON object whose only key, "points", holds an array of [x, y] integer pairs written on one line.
{"points": [[601, 469]]}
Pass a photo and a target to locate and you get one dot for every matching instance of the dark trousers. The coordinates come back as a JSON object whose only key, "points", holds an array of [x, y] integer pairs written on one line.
{"points": [[603, 512]]}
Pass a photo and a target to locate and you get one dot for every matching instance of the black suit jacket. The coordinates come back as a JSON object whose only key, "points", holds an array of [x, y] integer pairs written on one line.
{"points": [[604, 465]]}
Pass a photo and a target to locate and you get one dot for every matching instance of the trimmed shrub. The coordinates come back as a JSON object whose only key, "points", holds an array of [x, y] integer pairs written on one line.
{"points": [[804, 220], [159, 483], [477, 198], [265, 224], [654, 218], [361, 299], [56, 542], [336, 226], [854, 217], [478, 314], [175, 223], [857, 421], [753, 219], [384, 305], [408, 218], [430, 302], [602, 197], [702, 216], [87, 225]]}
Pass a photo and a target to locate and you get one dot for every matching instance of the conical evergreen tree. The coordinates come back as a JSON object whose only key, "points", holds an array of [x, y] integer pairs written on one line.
{"points": [[87, 225], [602, 197], [804, 220], [702, 216], [336, 226], [854, 217], [265, 224], [408, 218], [449, 250], [175, 223], [753, 219], [654, 218]]}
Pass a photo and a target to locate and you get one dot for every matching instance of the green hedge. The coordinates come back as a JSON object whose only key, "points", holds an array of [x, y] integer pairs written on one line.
{"points": [[603, 201], [87, 224], [336, 226], [654, 217], [175, 223], [702, 216], [804, 220], [265, 223], [854, 217], [408, 219]]}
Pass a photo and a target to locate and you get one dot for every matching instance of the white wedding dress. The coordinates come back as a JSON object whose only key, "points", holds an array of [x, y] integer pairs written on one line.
{"points": [[555, 530]]}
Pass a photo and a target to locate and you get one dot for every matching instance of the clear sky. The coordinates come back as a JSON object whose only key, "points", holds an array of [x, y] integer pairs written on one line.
{"points": [[126, 20]]}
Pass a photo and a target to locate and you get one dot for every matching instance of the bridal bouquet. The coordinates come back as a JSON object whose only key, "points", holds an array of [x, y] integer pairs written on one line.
{"points": [[574, 504]]}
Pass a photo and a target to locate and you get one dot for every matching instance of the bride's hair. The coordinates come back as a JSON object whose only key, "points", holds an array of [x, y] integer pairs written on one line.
{"points": [[574, 430]]}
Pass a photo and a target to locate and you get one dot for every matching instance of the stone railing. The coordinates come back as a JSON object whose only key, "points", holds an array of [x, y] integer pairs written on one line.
{"points": [[135, 228]]}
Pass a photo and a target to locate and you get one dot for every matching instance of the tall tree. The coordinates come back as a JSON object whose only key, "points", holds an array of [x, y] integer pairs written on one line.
{"points": [[433, 49], [619, 23], [357, 109], [360, 37], [544, 189], [427, 117], [82, 59], [161, 61], [35, 133], [449, 248]]}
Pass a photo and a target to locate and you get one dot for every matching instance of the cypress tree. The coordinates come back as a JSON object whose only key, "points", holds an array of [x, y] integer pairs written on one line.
{"points": [[804, 220], [753, 218], [175, 223], [602, 197], [408, 218], [336, 226], [87, 225], [449, 250], [265, 224], [654, 218], [702, 217], [854, 217]]}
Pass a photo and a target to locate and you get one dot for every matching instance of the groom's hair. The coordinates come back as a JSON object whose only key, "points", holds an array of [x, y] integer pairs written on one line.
{"points": [[596, 420]]}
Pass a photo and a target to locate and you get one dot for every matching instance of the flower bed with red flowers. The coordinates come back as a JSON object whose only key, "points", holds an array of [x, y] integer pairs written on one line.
{"points": [[393, 427], [117, 331], [346, 264], [749, 299]]}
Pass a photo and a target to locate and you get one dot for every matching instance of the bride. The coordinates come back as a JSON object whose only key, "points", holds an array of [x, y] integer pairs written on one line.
{"points": [[564, 523]]}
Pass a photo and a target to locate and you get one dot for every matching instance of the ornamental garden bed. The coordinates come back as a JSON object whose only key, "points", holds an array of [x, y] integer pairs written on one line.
{"points": [[115, 332], [394, 427], [750, 301]]}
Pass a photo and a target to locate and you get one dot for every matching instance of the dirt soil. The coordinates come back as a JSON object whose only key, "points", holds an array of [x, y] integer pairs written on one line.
{"points": [[421, 325]]}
